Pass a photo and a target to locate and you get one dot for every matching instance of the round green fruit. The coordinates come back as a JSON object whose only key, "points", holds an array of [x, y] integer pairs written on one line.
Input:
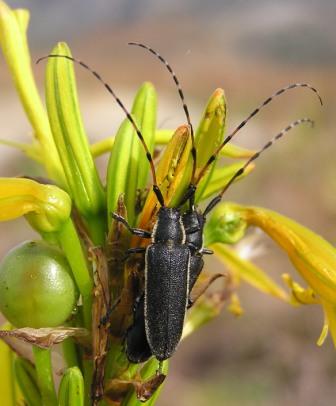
{"points": [[36, 286]]}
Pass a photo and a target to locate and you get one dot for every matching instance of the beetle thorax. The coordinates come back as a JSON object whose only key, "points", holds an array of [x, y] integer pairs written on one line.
{"points": [[169, 226]]}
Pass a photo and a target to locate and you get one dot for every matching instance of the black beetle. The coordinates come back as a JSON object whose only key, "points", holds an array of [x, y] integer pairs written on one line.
{"points": [[136, 344]]}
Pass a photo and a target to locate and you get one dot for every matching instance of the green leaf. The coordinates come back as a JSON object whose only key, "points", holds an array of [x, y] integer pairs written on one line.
{"points": [[128, 166], [26, 376]]}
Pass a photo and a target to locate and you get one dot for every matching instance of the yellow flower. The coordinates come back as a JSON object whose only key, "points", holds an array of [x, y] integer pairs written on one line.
{"points": [[312, 256], [14, 45], [46, 207]]}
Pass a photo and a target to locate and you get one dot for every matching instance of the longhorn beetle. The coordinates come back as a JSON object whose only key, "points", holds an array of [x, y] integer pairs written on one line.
{"points": [[167, 291], [137, 347]]}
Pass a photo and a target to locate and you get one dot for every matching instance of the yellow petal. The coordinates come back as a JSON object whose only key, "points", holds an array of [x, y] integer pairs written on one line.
{"points": [[169, 174], [300, 295], [13, 42], [234, 306], [311, 255], [247, 271], [330, 322], [46, 206]]}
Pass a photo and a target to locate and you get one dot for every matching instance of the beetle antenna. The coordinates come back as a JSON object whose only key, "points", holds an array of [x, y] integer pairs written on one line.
{"points": [[156, 188], [181, 94], [251, 115], [240, 171]]}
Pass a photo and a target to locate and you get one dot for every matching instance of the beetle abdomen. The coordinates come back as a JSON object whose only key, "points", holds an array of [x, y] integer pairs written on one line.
{"points": [[166, 294]]}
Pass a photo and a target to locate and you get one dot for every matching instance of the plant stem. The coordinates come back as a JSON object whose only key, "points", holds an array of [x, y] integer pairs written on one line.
{"points": [[88, 371], [44, 375], [97, 228], [70, 353], [71, 245]]}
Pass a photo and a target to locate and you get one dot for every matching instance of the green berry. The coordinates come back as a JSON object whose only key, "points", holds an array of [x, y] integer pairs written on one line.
{"points": [[36, 286]]}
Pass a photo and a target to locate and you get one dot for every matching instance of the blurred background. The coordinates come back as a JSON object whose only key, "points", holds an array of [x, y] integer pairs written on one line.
{"points": [[250, 48]]}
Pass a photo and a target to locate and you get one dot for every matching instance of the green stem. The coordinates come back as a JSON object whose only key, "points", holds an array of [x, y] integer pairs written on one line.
{"points": [[44, 375], [13, 380], [88, 371], [70, 353], [97, 229], [71, 245], [104, 146]]}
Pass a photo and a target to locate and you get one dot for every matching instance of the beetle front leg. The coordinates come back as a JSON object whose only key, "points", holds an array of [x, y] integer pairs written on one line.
{"points": [[135, 231]]}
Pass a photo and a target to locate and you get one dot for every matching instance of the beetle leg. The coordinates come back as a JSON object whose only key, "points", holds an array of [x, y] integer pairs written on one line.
{"points": [[203, 288], [104, 319], [159, 369], [136, 231], [206, 251], [135, 250], [192, 246], [192, 230]]}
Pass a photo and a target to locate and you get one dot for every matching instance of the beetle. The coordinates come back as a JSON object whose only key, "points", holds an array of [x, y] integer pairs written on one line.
{"points": [[178, 260], [137, 346]]}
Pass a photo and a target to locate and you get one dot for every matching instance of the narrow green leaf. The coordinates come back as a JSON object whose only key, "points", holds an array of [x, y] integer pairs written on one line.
{"points": [[128, 166], [25, 374]]}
